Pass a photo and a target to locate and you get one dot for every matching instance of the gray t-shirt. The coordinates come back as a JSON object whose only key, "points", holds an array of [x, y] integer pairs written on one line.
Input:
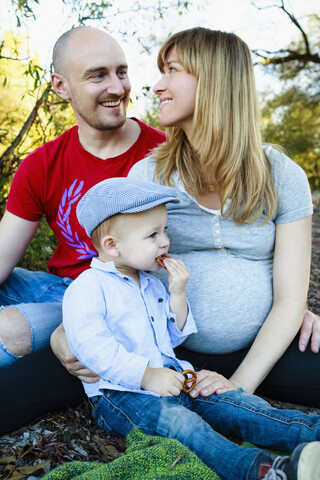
{"points": [[230, 285]]}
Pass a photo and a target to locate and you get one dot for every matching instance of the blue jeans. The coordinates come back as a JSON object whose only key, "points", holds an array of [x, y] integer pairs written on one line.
{"points": [[201, 423], [38, 296]]}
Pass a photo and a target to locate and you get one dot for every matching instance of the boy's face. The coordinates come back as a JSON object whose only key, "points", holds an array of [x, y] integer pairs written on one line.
{"points": [[142, 239]]}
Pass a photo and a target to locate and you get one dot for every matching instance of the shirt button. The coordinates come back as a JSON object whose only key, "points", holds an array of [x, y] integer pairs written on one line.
{"points": [[152, 319], [172, 319], [160, 300], [125, 278]]}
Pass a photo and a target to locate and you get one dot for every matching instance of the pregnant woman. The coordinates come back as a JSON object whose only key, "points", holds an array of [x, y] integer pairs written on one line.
{"points": [[243, 224]]}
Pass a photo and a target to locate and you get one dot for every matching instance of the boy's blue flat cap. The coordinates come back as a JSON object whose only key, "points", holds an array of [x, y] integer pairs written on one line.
{"points": [[120, 195]]}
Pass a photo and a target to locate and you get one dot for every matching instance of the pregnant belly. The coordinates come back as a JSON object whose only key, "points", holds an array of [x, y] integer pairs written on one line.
{"points": [[230, 298]]}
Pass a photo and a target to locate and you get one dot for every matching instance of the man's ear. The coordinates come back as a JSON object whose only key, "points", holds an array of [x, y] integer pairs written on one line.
{"points": [[110, 246], [60, 86]]}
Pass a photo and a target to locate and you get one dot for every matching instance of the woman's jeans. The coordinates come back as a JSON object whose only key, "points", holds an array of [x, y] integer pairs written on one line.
{"points": [[200, 423], [38, 296]]}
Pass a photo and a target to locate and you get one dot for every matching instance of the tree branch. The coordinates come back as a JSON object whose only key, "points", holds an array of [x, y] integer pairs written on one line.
{"points": [[287, 55], [292, 56], [26, 126], [297, 24]]}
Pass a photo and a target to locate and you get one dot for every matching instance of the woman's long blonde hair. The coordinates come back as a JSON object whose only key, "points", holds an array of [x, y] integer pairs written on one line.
{"points": [[226, 139]]}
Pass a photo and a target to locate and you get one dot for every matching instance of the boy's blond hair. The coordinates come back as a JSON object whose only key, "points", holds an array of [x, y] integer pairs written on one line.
{"points": [[110, 226]]}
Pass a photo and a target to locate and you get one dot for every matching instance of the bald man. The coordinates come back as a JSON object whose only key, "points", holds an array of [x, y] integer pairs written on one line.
{"points": [[91, 73]]}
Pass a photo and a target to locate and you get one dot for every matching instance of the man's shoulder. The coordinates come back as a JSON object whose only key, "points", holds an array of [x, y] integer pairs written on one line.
{"points": [[147, 130], [52, 146]]}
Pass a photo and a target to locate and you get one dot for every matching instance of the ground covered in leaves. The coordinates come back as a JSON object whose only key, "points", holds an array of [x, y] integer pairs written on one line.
{"points": [[71, 435]]}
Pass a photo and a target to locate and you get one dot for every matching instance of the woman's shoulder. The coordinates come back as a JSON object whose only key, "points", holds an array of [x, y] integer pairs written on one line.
{"points": [[283, 167], [144, 169], [292, 187]]}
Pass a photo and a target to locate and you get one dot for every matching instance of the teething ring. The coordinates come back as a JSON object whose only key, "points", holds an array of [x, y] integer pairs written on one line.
{"points": [[192, 379]]}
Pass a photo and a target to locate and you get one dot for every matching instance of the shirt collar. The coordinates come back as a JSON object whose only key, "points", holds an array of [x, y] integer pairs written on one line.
{"points": [[111, 268]]}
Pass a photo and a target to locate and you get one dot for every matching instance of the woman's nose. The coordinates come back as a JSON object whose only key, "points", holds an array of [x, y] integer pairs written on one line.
{"points": [[159, 86]]}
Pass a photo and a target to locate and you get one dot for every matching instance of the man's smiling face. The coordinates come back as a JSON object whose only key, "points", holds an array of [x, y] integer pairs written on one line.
{"points": [[97, 80]]}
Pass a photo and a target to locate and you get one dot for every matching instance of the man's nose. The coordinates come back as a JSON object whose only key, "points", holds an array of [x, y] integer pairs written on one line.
{"points": [[115, 86]]}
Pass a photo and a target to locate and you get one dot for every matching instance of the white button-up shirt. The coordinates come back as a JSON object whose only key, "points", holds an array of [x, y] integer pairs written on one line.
{"points": [[116, 328]]}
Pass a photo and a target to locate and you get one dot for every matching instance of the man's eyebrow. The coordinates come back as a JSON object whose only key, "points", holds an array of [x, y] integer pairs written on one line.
{"points": [[102, 69]]}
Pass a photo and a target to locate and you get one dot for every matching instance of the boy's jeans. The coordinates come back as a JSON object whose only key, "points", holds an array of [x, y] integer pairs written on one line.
{"points": [[196, 423], [38, 296]]}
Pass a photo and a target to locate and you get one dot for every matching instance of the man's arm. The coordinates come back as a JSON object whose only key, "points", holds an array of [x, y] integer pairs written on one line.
{"points": [[59, 346], [15, 236]]}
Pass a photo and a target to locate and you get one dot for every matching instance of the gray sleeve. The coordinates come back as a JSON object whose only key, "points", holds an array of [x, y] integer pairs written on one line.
{"points": [[143, 170], [292, 186]]}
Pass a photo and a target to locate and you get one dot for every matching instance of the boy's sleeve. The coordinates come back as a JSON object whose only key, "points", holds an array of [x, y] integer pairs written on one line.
{"points": [[90, 340], [179, 336]]}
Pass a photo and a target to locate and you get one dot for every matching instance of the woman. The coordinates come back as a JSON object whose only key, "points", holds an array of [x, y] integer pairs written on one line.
{"points": [[243, 225]]}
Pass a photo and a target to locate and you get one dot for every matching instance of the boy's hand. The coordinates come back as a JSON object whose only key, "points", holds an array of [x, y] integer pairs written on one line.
{"points": [[178, 275], [209, 383], [164, 381]]}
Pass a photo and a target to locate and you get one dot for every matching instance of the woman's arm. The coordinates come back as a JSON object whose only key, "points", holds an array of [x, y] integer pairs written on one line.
{"points": [[291, 271]]}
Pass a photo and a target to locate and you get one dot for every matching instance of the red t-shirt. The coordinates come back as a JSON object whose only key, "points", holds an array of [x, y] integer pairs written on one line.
{"points": [[52, 179]]}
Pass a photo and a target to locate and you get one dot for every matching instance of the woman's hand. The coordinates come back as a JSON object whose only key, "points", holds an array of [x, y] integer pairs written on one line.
{"points": [[210, 382], [310, 330], [60, 348]]}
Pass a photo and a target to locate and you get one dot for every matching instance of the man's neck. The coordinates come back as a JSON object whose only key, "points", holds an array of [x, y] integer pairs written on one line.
{"points": [[109, 143]]}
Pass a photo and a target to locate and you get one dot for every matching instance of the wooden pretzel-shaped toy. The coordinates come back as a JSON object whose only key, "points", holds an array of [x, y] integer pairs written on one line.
{"points": [[192, 379], [161, 258]]}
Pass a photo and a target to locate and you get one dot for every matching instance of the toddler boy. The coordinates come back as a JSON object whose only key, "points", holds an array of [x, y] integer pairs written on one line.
{"points": [[123, 325]]}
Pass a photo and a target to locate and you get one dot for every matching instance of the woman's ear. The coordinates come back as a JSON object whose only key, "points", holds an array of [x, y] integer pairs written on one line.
{"points": [[110, 246]]}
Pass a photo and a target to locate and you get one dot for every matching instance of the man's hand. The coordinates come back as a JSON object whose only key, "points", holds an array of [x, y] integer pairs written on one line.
{"points": [[209, 383], [60, 348], [310, 330], [164, 381]]}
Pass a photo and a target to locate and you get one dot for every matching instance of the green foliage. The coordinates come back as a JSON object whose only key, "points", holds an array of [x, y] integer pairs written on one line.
{"points": [[151, 116], [291, 119], [24, 8]]}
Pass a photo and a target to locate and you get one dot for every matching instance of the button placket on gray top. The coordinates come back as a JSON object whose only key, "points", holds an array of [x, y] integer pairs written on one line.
{"points": [[217, 236]]}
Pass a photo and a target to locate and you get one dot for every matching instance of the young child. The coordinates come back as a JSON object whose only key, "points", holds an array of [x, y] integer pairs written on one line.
{"points": [[121, 323]]}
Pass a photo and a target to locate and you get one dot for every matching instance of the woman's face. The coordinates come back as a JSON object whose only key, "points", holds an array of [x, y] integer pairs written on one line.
{"points": [[177, 91]]}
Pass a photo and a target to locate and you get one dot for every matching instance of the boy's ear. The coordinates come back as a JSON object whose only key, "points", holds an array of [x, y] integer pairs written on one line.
{"points": [[60, 86], [109, 245]]}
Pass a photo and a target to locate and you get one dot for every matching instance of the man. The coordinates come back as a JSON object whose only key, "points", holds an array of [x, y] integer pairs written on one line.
{"points": [[91, 73]]}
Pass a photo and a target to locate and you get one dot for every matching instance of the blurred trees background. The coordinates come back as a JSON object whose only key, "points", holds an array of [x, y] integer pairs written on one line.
{"points": [[31, 113]]}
